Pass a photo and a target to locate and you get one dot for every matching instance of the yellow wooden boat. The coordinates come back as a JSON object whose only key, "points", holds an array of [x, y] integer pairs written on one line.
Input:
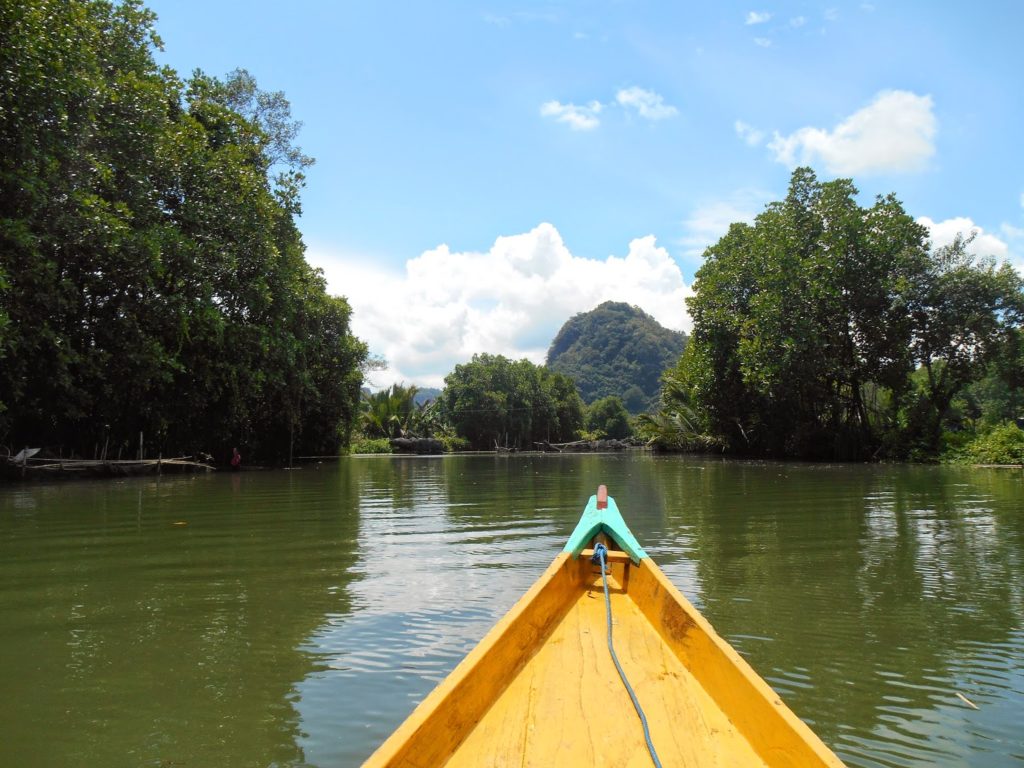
{"points": [[544, 688]]}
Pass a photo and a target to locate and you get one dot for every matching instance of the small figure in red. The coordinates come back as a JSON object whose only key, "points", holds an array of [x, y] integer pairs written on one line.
{"points": [[236, 459]]}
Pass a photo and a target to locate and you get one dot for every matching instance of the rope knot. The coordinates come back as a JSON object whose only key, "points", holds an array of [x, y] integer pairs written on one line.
{"points": [[600, 552]]}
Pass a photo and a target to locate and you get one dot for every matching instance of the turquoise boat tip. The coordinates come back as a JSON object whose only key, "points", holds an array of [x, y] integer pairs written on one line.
{"points": [[602, 516]]}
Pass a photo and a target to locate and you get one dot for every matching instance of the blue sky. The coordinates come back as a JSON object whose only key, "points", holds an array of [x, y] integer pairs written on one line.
{"points": [[486, 170]]}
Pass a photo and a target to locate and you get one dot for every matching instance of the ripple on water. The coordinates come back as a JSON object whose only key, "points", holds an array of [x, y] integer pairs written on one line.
{"points": [[432, 578]]}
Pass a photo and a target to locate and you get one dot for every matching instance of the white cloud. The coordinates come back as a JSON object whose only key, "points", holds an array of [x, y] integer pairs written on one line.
{"points": [[764, 42], [708, 222], [984, 244], [578, 118], [511, 300], [1011, 232], [1015, 243], [895, 133], [751, 135], [755, 17], [648, 104], [797, 21], [831, 14]]}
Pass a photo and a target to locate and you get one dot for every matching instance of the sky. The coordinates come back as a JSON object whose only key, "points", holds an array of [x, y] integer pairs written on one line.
{"points": [[484, 171]]}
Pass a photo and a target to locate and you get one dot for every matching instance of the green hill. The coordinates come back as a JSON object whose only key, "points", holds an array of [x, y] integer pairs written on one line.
{"points": [[616, 349]]}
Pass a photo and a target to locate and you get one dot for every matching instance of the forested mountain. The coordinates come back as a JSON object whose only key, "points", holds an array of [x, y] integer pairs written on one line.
{"points": [[616, 349], [426, 394], [152, 277]]}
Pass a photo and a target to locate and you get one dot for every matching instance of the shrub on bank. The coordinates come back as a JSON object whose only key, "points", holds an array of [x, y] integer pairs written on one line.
{"points": [[1002, 444], [370, 445], [454, 443]]}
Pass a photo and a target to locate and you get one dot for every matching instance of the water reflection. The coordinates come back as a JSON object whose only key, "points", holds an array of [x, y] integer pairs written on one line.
{"points": [[864, 595], [158, 622]]}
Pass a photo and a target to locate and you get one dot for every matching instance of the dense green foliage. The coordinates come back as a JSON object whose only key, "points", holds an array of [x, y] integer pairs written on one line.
{"points": [[615, 349], [675, 425], [400, 412], [997, 397], [1000, 444], [370, 445], [809, 326], [608, 418], [152, 278], [493, 401]]}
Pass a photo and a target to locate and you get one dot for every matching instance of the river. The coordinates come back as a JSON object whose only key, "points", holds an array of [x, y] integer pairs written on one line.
{"points": [[294, 618]]}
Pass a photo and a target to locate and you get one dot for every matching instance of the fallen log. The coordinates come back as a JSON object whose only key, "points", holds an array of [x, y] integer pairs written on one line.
{"points": [[546, 447], [592, 445]]}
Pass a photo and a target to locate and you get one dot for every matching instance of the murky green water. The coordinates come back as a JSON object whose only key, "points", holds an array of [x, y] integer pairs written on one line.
{"points": [[294, 618]]}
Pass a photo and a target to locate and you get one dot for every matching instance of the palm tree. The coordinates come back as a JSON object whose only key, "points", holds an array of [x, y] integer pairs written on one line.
{"points": [[676, 426], [389, 412]]}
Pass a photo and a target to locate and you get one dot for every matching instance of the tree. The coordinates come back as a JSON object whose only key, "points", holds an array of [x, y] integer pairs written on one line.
{"points": [[808, 324], [4, 324], [83, 114], [152, 274], [967, 314], [677, 425], [609, 418], [492, 400], [271, 112], [568, 406], [390, 412]]}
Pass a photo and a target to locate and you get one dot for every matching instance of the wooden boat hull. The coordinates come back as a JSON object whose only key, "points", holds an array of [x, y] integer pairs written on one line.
{"points": [[541, 688]]}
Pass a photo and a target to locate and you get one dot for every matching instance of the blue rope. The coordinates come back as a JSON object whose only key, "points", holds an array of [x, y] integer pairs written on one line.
{"points": [[599, 555]]}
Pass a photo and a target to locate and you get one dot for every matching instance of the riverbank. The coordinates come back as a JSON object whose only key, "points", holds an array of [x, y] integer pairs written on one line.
{"points": [[433, 446], [24, 468]]}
